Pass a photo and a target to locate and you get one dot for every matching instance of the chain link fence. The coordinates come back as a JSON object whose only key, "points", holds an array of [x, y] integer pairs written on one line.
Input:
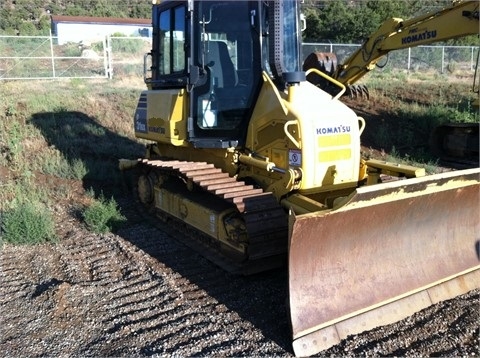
{"points": [[41, 57], [422, 58]]}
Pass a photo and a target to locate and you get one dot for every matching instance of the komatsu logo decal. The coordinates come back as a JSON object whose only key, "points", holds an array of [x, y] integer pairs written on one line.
{"points": [[426, 35], [333, 130], [154, 129], [155, 125]]}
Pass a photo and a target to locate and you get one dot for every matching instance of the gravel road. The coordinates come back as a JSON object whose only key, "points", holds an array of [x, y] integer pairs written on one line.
{"points": [[141, 293]]}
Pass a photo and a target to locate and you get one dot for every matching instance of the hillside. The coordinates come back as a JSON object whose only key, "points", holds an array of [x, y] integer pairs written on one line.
{"points": [[338, 21], [32, 17]]}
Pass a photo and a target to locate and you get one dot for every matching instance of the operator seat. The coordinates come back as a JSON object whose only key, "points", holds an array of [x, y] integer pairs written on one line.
{"points": [[221, 65], [230, 99]]}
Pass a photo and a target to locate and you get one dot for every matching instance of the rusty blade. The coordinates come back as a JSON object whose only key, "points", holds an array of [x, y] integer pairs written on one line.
{"points": [[392, 250]]}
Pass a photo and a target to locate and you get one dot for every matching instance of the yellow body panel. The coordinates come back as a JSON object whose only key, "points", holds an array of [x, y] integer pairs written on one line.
{"points": [[161, 116], [288, 130], [203, 218]]}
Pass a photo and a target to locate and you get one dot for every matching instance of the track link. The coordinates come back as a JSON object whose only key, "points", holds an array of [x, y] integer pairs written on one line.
{"points": [[265, 220]]}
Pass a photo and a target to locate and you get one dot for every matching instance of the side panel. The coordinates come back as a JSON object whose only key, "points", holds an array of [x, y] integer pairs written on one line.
{"points": [[305, 130], [330, 139], [161, 116]]}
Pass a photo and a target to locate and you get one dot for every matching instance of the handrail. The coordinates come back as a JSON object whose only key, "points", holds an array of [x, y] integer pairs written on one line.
{"points": [[328, 78]]}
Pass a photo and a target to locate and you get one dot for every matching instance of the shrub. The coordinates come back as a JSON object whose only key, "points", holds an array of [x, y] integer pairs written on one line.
{"points": [[127, 45], [103, 215], [54, 163], [27, 223]]}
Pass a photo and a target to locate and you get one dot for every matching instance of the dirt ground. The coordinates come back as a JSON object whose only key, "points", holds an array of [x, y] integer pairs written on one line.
{"points": [[139, 292]]}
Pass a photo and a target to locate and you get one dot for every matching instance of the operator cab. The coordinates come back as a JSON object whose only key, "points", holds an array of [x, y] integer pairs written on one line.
{"points": [[226, 57], [217, 50]]}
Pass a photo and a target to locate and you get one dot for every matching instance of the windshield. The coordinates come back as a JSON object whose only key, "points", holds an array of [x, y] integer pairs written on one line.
{"points": [[227, 50], [291, 35]]}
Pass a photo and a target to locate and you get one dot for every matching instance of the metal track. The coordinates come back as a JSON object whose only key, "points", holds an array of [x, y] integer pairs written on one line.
{"points": [[265, 220]]}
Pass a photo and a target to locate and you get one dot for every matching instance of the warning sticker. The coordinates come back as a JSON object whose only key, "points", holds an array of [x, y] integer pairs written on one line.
{"points": [[295, 158]]}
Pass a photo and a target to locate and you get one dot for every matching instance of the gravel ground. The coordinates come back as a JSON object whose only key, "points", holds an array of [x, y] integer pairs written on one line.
{"points": [[141, 293]]}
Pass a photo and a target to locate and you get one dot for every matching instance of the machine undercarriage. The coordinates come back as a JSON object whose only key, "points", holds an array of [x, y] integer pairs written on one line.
{"points": [[241, 228]]}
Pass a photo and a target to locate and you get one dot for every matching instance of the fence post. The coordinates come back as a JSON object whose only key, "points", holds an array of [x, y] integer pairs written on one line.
{"points": [[409, 58], [105, 54], [108, 57], [471, 59], [443, 58], [52, 54]]}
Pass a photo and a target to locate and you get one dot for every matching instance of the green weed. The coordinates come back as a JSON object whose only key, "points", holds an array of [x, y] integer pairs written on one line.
{"points": [[56, 164], [411, 110], [131, 46], [27, 223], [103, 215], [418, 159]]}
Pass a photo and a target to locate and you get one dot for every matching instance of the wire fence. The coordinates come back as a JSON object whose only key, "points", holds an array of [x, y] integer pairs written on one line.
{"points": [[422, 58], [41, 57]]}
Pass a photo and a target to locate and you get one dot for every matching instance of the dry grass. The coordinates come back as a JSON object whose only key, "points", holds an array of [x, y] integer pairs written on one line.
{"points": [[63, 129]]}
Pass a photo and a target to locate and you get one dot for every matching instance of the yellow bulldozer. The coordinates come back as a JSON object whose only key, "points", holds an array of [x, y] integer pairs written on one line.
{"points": [[260, 168]]}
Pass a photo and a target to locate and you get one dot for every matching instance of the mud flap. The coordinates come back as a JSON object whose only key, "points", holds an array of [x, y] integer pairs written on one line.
{"points": [[391, 250]]}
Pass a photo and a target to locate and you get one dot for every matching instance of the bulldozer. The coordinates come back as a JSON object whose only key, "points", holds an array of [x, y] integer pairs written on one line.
{"points": [[452, 142], [259, 168]]}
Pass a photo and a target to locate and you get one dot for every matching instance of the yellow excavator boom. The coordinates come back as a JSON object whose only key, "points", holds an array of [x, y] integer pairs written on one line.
{"points": [[459, 20]]}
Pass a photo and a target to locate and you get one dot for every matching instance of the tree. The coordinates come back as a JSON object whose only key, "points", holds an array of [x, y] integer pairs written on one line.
{"points": [[372, 14], [312, 33], [14, 14], [337, 19], [347, 21]]}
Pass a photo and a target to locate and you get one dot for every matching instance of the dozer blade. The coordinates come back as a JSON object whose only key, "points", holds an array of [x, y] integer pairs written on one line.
{"points": [[391, 250]]}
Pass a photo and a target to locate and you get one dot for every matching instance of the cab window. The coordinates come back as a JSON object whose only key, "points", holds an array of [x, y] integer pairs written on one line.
{"points": [[171, 66]]}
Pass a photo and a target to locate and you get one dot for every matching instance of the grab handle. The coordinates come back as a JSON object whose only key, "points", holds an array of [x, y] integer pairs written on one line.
{"points": [[287, 133]]}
